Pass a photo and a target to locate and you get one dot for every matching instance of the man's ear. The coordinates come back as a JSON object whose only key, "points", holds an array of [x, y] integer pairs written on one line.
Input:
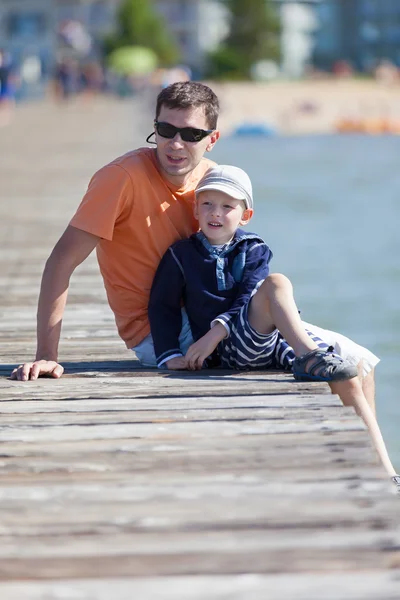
{"points": [[246, 216], [214, 137]]}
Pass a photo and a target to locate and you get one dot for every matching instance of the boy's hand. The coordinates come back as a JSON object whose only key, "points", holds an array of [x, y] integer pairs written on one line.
{"points": [[178, 363], [200, 350]]}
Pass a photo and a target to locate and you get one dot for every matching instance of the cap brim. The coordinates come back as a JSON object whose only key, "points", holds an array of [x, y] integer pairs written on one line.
{"points": [[223, 187]]}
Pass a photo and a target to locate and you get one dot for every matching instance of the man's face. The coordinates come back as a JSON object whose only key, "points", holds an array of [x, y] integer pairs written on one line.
{"points": [[177, 158]]}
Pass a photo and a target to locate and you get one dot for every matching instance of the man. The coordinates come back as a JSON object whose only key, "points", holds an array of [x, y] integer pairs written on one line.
{"points": [[134, 209]]}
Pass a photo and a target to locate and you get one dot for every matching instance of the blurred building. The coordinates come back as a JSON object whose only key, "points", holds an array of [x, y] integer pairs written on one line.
{"points": [[36, 32], [363, 32], [27, 33], [299, 24], [97, 16], [197, 25]]}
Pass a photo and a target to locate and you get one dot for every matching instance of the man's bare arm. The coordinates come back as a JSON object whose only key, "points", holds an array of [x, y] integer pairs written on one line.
{"points": [[71, 250]]}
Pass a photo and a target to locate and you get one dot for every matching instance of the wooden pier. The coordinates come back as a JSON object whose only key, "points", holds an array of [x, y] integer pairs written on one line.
{"points": [[121, 483]]}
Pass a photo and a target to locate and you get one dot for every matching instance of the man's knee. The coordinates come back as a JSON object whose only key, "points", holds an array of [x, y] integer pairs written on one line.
{"points": [[145, 352]]}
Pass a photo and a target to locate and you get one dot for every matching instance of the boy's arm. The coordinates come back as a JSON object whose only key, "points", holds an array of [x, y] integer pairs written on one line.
{"points": [[200, 350], [256, 269], [165, 314], [72, 248], [258, 256]]}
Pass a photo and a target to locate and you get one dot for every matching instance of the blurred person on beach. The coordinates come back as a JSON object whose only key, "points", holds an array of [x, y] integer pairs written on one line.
{"points": [[134, 209], [7, 88], [66, 78], [175, 75], [386, 73], [237, 315], [92, 80], [343, 69]]}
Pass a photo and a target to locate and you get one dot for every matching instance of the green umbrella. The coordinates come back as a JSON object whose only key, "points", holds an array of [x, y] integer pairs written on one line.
{"points": [[132, 60]]}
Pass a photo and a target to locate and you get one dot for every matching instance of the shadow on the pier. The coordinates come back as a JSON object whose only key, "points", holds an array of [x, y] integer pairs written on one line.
{"points": [[132, 368], [91, 367]]}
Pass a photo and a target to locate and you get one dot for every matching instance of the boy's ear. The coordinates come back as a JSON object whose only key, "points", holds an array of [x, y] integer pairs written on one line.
{"points": [[195, 208], [246, 216]]}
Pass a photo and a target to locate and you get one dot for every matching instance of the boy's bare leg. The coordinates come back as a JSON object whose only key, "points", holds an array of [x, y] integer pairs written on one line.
{"points": [[351, 394], [273, 306]]}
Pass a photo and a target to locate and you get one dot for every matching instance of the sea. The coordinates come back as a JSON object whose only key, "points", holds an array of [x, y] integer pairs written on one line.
{"points": [[329, 208]]}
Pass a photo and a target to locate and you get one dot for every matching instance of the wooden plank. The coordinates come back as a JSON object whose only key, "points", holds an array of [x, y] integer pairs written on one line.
{"points": [[176, 430], [208, 552], [100, 466], [188, 415], [310, 586], [167, 510], [170, 403], [335, 442], [157, 385]]}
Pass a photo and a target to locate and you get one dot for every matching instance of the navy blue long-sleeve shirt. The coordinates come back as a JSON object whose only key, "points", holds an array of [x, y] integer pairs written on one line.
{"points": [[212, 284]]}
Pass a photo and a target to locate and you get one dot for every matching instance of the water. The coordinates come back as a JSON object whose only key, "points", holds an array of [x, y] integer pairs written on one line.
{"points": [[329, 207]]}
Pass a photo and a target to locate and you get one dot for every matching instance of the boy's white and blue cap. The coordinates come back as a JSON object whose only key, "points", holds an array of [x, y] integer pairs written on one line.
{"points": [[228, 179]]}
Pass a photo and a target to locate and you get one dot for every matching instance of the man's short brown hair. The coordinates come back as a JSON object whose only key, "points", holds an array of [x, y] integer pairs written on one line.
{"points": [[188, 94]]}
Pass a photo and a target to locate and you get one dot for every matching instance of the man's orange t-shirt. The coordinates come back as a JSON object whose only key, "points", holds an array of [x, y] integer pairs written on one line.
{"points": [[138, 214]]}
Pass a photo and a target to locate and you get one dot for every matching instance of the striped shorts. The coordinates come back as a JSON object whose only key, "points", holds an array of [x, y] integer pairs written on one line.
{"points": [[245, 348]]}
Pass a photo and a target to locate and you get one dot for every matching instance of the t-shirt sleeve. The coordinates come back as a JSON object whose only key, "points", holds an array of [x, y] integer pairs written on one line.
{"points": [[109, 191]]}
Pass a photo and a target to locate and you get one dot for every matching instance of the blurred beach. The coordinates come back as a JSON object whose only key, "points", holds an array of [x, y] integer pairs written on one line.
{"points": [[313, 106]]}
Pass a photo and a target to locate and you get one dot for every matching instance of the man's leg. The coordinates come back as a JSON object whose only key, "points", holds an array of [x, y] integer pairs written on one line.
{"points": [[145, 353], [145, 350], [273, 306], [351, 394], [368, 386], [353, 353]]}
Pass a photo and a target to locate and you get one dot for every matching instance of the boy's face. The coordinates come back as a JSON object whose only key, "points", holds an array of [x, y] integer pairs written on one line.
{"points": [[219, 215], [178, 158]]}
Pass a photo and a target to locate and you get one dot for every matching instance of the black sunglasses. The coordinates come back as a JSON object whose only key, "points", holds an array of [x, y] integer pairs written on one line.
{"points": [[188, 134]]}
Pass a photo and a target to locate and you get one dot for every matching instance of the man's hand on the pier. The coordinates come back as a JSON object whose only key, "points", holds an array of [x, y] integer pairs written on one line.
{"points": [[39, 368], [178, 363]]}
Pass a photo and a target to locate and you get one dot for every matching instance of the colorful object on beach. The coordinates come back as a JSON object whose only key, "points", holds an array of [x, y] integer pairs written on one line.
{"points": [[132, 60], [254, 129], [371, 126]]}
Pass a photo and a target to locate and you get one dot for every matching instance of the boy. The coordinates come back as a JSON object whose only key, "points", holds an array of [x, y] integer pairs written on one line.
{"points": [[240, 316], [235, 308]]}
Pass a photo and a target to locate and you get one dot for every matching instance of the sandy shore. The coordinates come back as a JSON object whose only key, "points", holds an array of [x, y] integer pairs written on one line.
{"points": [[307, 106], [289, 108]]}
